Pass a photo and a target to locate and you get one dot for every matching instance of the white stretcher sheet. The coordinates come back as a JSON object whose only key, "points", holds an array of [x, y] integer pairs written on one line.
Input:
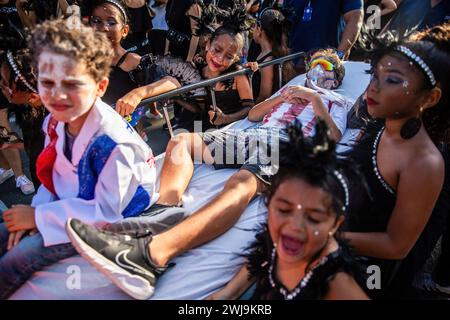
{"points": [[198, 272]]}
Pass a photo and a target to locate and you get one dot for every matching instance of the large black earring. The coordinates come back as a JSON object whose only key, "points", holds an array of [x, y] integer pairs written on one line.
{"points": [[411, 127]]}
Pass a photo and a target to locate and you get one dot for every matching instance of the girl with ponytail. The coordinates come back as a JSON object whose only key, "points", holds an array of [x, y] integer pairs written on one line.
{"points": [[271, 34]]}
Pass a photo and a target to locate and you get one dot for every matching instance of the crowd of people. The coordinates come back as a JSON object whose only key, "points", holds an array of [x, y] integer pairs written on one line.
{"points": [[347, 184]]}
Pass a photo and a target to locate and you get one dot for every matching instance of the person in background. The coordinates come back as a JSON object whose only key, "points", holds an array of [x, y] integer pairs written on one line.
{"points": [[270, 34], [111, 18], [18, 84], [158, 34], [315, 25], [181, 41]]}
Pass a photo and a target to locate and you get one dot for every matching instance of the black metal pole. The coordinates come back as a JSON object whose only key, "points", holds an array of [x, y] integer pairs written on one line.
{"points": [[213, 81]]}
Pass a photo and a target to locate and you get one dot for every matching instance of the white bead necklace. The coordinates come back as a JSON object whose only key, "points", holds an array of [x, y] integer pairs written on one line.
{"points": [[291, 295]]}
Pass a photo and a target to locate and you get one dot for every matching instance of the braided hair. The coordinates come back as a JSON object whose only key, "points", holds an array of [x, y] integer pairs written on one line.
{"points": [[16, 57]]}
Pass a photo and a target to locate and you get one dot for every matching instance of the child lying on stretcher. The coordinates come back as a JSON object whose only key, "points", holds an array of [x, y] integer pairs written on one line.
{"points": [[325, 72]]}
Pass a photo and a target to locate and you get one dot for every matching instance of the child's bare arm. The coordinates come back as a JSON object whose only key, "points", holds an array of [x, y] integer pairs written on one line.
{"points": [[128, 103], [300, 94], [235, 288], [258, 112]]}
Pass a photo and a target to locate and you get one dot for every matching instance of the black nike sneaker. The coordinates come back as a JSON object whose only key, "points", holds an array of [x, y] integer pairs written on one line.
{"points": [[156, 219], [121, 258]]}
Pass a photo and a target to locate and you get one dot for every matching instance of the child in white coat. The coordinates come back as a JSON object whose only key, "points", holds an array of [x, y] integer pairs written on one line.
{"points": [[94, 166]]}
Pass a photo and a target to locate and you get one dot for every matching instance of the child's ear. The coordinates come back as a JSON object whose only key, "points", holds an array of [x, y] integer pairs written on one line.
{"points": [[432, 99], [102, 86], [125, 30], [338, 224], [336, 84]]}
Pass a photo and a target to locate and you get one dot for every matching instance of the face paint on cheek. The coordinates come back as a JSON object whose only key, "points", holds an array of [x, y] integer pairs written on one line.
{"points": [[317, 78], [314, 75], [47, 67]]}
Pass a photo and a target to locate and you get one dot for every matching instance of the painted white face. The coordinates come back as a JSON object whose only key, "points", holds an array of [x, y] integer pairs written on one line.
{"points": [[318, 77], [66, 88]]}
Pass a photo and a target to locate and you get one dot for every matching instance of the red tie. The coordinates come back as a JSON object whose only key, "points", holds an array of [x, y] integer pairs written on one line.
{"points": [[46, 160]]}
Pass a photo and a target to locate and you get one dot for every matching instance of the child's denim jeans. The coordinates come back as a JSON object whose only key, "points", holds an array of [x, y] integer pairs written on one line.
{"points": [[27, 257]]}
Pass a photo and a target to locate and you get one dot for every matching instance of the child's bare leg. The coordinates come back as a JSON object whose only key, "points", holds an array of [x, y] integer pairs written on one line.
{"points": [[178, 165], [3, 163], [12, 156], [208, 222]]}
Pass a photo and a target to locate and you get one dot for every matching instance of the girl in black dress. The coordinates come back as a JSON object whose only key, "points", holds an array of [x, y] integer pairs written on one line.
{"points": [[111, 17], [402, 159], [271, 35], [297, 256], [234, 98]]}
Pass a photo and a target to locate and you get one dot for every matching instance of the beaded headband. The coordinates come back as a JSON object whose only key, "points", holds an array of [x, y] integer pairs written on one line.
{"points": [[341, 179], [17, 72], [120, 7], [425, 68]]}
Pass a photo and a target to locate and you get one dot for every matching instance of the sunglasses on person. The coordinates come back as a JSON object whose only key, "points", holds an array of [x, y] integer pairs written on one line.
{"points": [[326, 65]]}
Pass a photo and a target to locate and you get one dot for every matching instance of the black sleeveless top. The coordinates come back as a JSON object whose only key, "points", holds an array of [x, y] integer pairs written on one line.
{"points": [[315, 283], [179, 33], [120, 83], [371, 213], [256, 78], [227, 100]]}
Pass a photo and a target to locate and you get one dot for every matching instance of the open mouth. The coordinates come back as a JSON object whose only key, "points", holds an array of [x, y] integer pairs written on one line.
{"points": [[292, 246]]}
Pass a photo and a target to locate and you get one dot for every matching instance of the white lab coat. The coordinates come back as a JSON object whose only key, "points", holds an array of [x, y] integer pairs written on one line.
{"points": [[112, 175]]}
